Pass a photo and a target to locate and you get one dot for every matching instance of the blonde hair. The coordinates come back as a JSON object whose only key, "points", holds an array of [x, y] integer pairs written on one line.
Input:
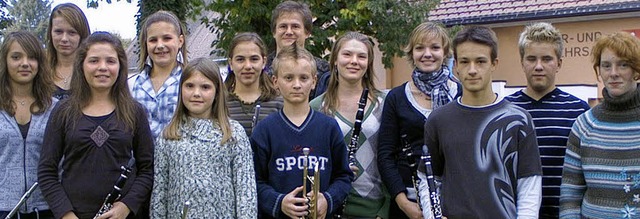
{"points": [[541, 33], [219, 110], [331, 95], [295, 53], [427, 30]]}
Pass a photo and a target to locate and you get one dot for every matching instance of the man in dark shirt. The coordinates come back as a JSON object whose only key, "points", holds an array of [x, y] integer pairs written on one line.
{"points": [[482, 146], [291, 22]]}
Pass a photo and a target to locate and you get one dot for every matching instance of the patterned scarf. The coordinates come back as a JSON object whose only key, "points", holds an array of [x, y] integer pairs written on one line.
{"points": [[434, 85]]}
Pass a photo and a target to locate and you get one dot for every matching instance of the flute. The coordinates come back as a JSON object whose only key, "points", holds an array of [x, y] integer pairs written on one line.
{"points": [[433, 194], [116, 192], [23, 199]]}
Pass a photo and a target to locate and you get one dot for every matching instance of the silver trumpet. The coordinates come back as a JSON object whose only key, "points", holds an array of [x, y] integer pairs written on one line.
{"points": [[185, 209], [23, 199]]}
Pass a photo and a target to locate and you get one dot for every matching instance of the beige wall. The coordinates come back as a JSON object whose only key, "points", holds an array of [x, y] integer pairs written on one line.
{"points": [[400, 73], [579, 38], [576, 68]]}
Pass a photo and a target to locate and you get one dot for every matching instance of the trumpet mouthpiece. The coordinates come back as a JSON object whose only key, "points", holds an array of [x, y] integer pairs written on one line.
{"points": [[305, 151]]}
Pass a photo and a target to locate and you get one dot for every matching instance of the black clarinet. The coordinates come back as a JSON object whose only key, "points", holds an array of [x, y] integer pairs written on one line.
{"points": [[23, 199], [357, 127], [116, 192], [353, 144], [411, 161], [433, 194], [256, 115]]}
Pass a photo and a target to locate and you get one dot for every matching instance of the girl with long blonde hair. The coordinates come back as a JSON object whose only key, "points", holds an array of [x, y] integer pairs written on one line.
{"points": [[203, 156]]}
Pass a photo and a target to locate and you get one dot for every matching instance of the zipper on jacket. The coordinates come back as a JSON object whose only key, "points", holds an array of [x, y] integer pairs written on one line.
{"points": [[24, 166]]}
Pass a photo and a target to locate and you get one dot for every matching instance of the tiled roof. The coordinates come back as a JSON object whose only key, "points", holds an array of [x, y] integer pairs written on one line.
{"points": [[200, 37], [461, 12], [199, 40]]}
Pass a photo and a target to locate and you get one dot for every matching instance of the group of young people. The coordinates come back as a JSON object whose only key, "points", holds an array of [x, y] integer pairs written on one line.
{"points": [[540, 152], [238, 147]]}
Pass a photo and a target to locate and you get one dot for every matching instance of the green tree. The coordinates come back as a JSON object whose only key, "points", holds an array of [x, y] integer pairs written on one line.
{"points": [[388, 21], [30, 15], [5, 19], [125, 41], [148, 7]]}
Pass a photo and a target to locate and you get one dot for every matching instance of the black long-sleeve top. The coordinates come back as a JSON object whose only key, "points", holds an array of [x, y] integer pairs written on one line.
{"points": [[399, 118], [90, 161]]}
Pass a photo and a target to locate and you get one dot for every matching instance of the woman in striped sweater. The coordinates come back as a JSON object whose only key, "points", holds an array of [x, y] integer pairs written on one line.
{"points": [[601, 176]]}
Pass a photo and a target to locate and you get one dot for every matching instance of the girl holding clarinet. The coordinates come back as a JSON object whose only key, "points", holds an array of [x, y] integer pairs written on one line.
{"points": [[352, 73], [406, 108], [92, 134]]}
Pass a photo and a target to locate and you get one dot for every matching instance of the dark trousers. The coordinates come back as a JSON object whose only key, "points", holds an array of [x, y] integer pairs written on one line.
{"points": [[47, 214]]}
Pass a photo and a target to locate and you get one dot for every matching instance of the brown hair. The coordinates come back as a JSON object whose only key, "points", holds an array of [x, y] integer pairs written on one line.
{"points": [[80, 97], [331, 95], [219, 110], [623, 44], [160, 16], [427, 30], [292, 7], [42, 84], [477, 34], [76, 18], [267, 91]]}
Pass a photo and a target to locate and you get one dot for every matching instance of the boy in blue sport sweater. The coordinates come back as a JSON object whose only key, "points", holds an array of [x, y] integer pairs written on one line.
{"points": [[278, 140]]}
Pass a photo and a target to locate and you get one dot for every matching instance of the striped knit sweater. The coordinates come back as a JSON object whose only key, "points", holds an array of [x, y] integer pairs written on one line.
{"points": [[553, 115], [243, 112], [601, 176]]}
